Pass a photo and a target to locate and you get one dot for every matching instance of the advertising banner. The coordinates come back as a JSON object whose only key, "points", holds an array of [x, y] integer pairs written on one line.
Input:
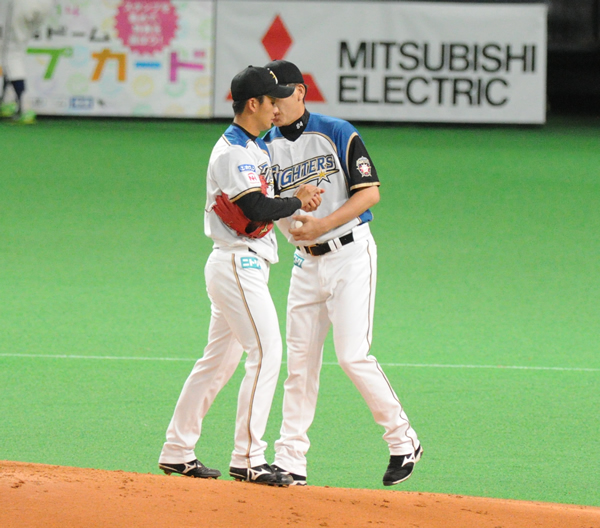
{"points": [[388, 61], [124, 58]]}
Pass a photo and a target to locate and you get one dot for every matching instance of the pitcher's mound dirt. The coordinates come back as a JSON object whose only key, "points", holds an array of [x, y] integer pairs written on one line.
{"points": [[35, 495]]}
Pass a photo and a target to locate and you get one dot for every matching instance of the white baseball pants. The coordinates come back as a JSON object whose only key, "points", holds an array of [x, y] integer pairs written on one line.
{"points": [[337, 289], [243, 317]]}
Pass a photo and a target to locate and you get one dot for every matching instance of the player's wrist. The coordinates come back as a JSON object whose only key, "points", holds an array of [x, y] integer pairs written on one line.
{"points": [[302, 195], [326, 224]]}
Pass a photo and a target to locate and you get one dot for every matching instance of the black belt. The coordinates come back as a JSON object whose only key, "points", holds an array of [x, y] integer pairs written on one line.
{"points": [[320, 249]]}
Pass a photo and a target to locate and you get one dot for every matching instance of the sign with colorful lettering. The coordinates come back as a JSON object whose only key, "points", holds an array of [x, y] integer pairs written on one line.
{"points": [[124, 58]]}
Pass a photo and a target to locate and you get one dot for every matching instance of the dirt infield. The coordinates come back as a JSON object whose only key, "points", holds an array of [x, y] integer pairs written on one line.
{"points": [[35, 495]]}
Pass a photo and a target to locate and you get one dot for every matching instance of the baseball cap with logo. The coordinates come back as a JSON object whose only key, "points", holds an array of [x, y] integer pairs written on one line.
{"points": [[255, 81], [287, 72]]}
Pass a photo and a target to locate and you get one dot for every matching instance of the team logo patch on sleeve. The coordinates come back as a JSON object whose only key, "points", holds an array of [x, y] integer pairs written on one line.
{"points": [[250, 262], [249, 171], [364, 166]]}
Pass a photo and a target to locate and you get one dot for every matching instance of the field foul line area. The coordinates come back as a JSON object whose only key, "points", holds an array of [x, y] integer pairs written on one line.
{"points": [[325, 363]]}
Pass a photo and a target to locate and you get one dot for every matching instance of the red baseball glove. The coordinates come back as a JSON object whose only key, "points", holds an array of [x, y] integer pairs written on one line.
{"points": [[233, 217]]}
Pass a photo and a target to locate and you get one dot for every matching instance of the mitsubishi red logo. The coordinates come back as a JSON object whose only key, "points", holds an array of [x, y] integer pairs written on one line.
{"points": [[277, 41]]}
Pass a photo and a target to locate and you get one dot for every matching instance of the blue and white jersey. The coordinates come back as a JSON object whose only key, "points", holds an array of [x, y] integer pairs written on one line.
{"points": [[328, 153], [234, 168]]}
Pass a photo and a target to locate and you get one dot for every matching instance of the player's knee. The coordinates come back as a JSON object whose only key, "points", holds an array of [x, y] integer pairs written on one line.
{"points": [[350, 365], [273, 349]]}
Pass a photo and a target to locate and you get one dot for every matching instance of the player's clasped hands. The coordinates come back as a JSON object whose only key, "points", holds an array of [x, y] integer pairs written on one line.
{"points": [[310, 196]]}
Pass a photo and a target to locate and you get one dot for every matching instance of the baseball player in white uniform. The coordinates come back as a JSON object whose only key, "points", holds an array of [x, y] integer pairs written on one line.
{"points": [[240, 209], [333, 278], [20, 20]]}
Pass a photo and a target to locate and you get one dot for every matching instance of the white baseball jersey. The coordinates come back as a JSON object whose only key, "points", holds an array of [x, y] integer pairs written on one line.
{"points": [[321, 156], [234, 169]]}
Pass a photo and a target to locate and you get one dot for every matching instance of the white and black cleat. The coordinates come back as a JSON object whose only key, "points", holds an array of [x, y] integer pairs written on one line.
{"points": [[195, 469], [298, 480], [261, 475], [401, 467]]}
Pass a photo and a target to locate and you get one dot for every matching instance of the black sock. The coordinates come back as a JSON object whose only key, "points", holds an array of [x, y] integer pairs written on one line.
{"points": [[19, 87]]}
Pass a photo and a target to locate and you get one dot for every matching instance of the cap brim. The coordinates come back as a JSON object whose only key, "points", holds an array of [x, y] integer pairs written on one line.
{"points": [[281, 92]]}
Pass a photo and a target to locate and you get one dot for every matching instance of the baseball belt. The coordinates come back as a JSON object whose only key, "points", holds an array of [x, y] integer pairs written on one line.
{"points": [[320, 249]]}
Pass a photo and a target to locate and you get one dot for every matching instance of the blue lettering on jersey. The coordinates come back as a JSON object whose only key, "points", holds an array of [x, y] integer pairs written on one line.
{"points": [[250, 262], [319, 168], [247, 168], [298, 260]]}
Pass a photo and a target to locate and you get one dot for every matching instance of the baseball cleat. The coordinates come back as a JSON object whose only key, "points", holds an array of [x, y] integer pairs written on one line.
{"points": [[25, 118], [299, 480], [195, 469], [401, 467], [261, 475]]}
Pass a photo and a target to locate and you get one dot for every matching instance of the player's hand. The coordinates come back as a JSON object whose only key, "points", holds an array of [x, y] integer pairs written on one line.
{"points": [[314, 203], [310, 196], [312, 228]]}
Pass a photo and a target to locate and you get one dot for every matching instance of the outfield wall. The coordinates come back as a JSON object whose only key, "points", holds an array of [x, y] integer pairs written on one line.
{"points": [[379, 61]]}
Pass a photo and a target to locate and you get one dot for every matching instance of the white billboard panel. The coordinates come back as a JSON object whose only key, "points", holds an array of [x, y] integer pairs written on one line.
{"points": [[432, 62]]}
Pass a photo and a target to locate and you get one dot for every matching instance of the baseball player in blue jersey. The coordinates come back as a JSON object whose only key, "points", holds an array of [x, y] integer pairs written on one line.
{"points": [[333, 277], [239, 214]]}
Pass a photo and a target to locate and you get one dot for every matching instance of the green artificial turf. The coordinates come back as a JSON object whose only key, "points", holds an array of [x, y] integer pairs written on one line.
{"points": [[489, 243]]}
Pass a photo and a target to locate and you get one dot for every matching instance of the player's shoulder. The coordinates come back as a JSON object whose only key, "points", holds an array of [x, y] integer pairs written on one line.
{"points": [[230, 147], [234, 136], [272, 134], [329, 125], [234, 139]]}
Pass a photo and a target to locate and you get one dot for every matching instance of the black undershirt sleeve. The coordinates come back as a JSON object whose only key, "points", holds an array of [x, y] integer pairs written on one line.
{"points": [[258, 208]]}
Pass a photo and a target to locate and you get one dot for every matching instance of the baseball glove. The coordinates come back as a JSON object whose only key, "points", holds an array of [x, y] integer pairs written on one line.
{"points": [[233, 217]]}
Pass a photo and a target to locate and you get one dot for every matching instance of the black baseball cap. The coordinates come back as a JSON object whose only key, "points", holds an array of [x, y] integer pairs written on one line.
{"points": [[255, 81], [287, 72]]}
